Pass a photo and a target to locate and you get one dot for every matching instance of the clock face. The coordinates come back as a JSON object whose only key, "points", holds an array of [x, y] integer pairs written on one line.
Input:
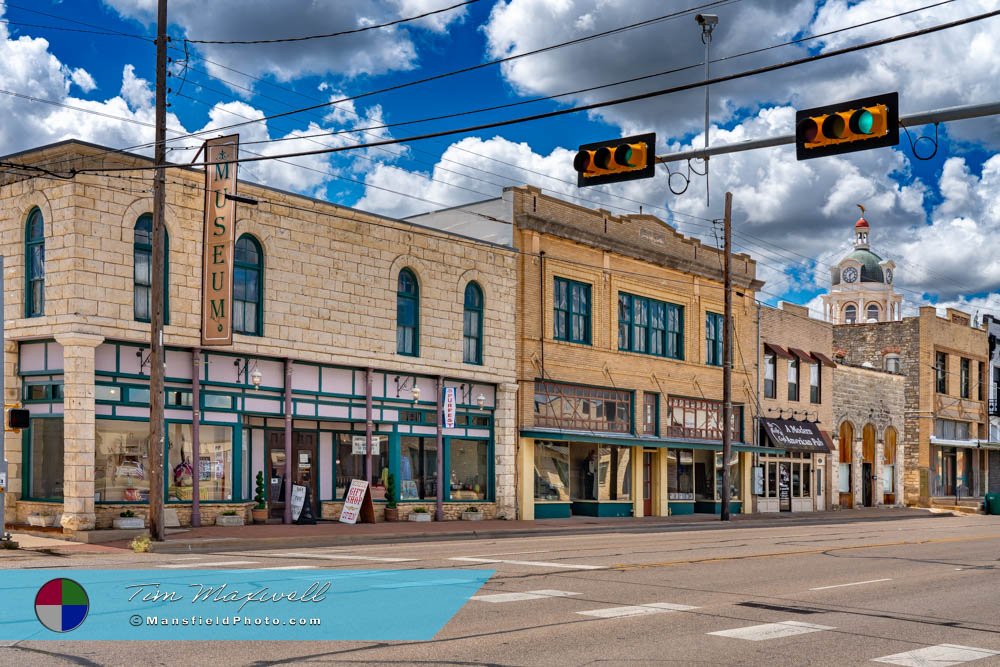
{"points": [[888, 276], [850, 274]]}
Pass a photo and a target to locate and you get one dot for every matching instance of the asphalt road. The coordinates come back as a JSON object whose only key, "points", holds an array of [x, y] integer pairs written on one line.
{"points": [[915, 591]]}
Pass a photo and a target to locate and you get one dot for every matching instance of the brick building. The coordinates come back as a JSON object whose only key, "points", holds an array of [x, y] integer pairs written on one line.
{"points": [[619, 352], [341, 316], [796, 392]]}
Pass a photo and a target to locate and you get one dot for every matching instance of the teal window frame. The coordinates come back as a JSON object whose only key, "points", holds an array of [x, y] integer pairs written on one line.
{"points": [[407, 314], [571, 304], [650, 326], [714, 326], [241, 268], [34, 264], [144, 247], [472, 325]]}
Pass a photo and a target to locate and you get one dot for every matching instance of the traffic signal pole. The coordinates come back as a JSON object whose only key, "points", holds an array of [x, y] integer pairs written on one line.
{"points": [[727, 356]]}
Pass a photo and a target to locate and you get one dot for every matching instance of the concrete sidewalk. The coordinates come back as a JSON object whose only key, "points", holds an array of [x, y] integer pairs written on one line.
{"points": [[271, 536]]}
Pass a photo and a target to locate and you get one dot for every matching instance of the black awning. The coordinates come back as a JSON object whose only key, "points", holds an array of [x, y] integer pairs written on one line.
{"points": [[796, 436]]}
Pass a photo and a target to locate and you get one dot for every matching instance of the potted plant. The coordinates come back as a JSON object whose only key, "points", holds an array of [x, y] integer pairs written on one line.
{"points": [[229, 518], [419, 514], [259, 510], [128, 520], [472, 513], [391, 510]]}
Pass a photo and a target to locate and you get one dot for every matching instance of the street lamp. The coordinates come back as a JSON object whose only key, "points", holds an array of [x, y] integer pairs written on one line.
{"points": [[707, 23]]}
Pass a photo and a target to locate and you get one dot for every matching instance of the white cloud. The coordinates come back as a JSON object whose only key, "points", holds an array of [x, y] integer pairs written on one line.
{"points": [[83, 80], [137, 92]]}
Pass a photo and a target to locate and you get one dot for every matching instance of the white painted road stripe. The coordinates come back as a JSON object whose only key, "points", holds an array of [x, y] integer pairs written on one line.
{"points": [[379, 559], [635, 610], [291, 567], [856, 583], [757, 633], [527, 595], [941, 655], [531, 563], [227, 563]]}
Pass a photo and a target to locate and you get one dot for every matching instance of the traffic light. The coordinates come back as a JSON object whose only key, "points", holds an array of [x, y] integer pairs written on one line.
{"points": [[871, 122], [17, 418], [625, 159]]}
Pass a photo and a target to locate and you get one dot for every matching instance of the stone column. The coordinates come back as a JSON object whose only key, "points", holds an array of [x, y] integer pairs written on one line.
{"points": [[504, 448], [879, 470], [661, 506], [526, 479], [637, 472], [857, 467], [78, 429]]}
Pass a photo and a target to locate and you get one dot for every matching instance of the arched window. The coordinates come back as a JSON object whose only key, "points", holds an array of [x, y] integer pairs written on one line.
{"points": [[846, 450], [850, 314], [34, 265], [889, 466], [472, 325], [248, 287], [873, 311], [142, 270], [407, 314]]}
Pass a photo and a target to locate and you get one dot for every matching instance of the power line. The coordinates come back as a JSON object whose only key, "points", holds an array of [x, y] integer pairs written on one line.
{"points": [[333, 34]]}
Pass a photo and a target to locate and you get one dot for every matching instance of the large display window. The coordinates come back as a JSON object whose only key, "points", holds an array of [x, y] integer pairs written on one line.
{"points": [[417, 468], [680, 474], [46, 451], [121, 461], [214, 467], [551, 471], [468, 462], [351, 465]]}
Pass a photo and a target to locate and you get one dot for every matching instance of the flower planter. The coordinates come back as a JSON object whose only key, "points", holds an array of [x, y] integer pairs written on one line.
{"points": [[472, 516], [40, 520], [259, 516], [392, 514], [229, 520], [419, 516], [129, 522]]}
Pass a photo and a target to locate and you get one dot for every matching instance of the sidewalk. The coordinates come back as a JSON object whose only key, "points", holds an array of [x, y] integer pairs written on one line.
{"points": [[272, 536]]}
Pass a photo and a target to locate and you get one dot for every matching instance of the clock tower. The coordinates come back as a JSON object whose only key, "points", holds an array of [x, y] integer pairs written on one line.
{"points": [[861, 287]]}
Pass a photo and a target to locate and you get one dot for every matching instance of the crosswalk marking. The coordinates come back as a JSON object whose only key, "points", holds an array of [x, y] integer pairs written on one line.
{"points": [[518, 597], [291, 567], [941, 655], [758, 633], [636, 610], [530, 563], [226, 563], [377, 559]]}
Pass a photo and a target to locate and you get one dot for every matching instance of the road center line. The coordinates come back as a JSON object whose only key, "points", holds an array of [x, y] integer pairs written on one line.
{"points": [[378, 559], [177, 566], [531, 563], [856, 583]]}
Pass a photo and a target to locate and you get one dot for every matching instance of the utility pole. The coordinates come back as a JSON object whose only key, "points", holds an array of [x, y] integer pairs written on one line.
{"points": [[727, 356], [156, 356]]}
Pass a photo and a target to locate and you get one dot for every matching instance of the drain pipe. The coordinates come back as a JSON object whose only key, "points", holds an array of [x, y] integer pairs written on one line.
{"points": [[287, 516]]}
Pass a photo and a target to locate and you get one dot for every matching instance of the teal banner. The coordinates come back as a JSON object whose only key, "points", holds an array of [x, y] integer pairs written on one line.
{"points": [[369, 605]]}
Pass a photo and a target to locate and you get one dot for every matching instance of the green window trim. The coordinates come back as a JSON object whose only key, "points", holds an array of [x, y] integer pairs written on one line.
{"points": [[34, 264], [649, 326], [407, 314], [142, 247], [571, 305], [714, 325], [472, 325], [248, 287]]}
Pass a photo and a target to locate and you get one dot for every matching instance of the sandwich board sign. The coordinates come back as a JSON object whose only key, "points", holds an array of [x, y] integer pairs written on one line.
{"points": [[358, 507]]}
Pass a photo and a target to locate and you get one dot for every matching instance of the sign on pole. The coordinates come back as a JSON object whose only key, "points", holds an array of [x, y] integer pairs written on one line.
{"points": [[358, 444], [217, 255], [358, 504], [449, 408]]}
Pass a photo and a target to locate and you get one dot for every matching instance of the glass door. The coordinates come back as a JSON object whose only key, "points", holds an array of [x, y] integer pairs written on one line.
{"points": [[647, 483]]}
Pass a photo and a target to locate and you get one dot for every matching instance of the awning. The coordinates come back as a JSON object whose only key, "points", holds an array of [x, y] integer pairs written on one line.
{"points": [[796, 436], [802, 354], [777, 350], [640, 441], [823, 359]]}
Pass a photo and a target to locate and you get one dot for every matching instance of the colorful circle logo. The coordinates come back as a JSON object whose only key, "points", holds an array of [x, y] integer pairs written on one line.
{"points": [[61, 605]]}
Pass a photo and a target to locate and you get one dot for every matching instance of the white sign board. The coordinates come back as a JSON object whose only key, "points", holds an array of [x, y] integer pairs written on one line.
{"points": [[358, 444], [3, 485], [298, 500], [352, 503], [450, 407]]}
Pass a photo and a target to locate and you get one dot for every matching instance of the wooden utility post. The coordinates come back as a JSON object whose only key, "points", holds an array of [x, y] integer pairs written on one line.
{"points": [[727, 356], [156, 356]]}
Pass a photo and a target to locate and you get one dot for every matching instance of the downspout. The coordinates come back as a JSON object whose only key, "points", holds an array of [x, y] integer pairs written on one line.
{"points": [[439, 508], [287, 516], [195, 437]]}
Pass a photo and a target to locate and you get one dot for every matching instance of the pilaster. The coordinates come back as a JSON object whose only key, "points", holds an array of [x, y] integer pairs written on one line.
{"points": [[505, 447]]}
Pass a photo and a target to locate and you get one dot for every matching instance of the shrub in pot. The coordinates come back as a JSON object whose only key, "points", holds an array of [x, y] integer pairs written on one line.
{"points": [[419, 514], [259, 510], [229, 518], [472, 513], [128, 520], [391, 510]]}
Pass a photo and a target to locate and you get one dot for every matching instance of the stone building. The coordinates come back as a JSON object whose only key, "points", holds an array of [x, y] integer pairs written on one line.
{"points": [[868, 409], [619, 347], [796, 392], [341, 317], [861, 288]]}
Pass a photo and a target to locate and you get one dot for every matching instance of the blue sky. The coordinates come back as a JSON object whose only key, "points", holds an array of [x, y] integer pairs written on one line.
{"points": [[932, 217]]}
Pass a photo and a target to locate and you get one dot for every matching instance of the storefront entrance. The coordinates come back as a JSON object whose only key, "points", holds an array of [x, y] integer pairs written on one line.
{"points": [[303, 468], [866, 484], [647, 483]]}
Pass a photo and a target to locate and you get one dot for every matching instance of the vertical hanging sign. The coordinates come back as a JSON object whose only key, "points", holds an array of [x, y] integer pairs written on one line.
{"points": [[217, 258], [450, 407]]}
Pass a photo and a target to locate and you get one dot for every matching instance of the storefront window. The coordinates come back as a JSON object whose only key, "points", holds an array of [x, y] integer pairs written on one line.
{"points": [[582, 408], [215, 467], [551, 471], [701, 419], [417, 468], [469, 463], [615, 473], [680, 474], [121, 462], [650, 413], [734, 477], [351, 465], [586, 472], [47, 459]]}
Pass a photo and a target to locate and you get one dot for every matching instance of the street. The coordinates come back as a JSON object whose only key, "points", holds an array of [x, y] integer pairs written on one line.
{"points": [[912, 591]]}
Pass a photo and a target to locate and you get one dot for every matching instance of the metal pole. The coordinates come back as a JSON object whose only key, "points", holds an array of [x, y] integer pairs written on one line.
{"points": [[727, 359], [196, 437], [706, 37], [156, 358], [287, 516], [439, 506], [368, 425]]}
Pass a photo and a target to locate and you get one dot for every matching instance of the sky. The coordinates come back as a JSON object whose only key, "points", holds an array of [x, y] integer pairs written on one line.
{"points": [[84, 69]]}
